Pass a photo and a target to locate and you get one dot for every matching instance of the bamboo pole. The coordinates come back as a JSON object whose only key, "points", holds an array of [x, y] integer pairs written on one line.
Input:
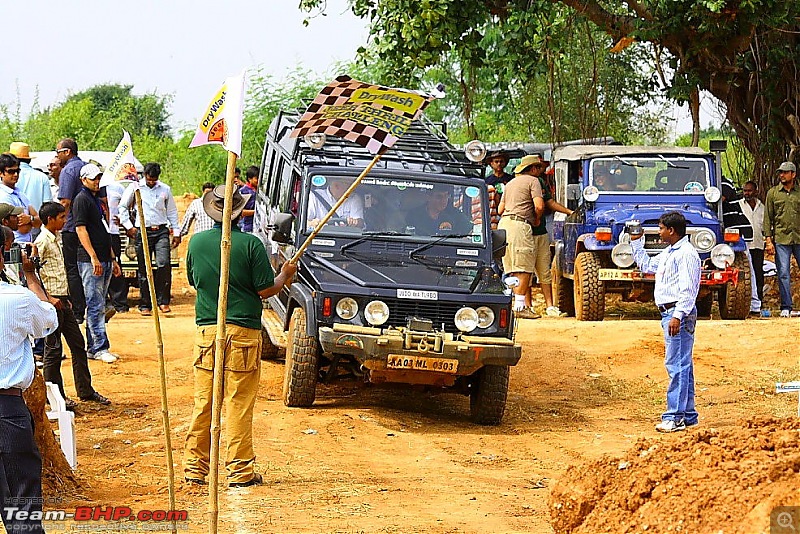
{"points": [[220, 342], [162, 368], [335, 207]]}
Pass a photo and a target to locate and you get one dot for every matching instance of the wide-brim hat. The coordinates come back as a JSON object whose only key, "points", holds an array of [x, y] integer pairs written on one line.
{"points": [[527, 161], [787, 166], [496, 154], [21, 150], [214, 202]]}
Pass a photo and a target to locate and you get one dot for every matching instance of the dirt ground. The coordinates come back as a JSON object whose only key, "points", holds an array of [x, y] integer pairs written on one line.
{"points": [[373, 460]]}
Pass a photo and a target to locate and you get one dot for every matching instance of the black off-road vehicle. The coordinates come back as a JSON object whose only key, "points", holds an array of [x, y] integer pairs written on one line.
{"points": [[398, 287]]}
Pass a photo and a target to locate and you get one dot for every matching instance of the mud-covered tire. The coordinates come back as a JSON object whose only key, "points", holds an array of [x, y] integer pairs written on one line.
{"points": [[302, 363], [704, 305], [487, 399], [734, 301], [590, 292], [269, 351], [563, 292]]}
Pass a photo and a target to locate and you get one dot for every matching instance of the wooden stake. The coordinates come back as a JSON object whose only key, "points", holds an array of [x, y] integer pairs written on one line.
{"points": [[219, 348], [162, 368]]}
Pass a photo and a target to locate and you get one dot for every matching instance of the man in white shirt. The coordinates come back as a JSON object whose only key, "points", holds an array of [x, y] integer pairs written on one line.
{"points": [[118, 288], [320, 202], [161, 217], [24, 313], [11, 194], [753, 209]]}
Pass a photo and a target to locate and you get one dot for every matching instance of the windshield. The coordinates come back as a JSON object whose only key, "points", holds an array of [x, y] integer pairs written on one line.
{"points": [[651, 174], [414, 207]]}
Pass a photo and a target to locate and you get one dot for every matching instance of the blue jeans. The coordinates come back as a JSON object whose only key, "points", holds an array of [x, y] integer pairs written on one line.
{"points": [[783, 261], [95, 289], [678, 362]]}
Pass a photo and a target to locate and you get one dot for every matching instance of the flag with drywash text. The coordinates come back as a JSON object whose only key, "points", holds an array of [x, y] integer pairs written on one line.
{"points": [[122, 165], [221, 124]]}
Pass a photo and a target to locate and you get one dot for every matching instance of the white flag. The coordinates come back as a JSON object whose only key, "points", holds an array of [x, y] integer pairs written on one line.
{"points": [[122, 165], [221, 123]]}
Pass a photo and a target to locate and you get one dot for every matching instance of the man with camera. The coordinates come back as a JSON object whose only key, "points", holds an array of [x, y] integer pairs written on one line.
{"points": [[25, 313], [10, 194]]}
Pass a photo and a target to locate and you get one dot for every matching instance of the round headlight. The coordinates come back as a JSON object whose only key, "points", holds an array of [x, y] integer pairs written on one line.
{"points": [[712, 194], [466, 319], [130, 251], [722, 255], [590, 193], [475, 150], [376, 312], [622, 255], [347, 308], [704, 240], [485, 317]]}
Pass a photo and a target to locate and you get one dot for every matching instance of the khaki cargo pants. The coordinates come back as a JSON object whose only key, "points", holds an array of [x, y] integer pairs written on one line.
{"points": [[242, 369]]}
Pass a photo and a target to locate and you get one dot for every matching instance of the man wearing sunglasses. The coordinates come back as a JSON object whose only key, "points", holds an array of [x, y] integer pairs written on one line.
{"points": [[69, 185], [11, 194], [24, 313]]}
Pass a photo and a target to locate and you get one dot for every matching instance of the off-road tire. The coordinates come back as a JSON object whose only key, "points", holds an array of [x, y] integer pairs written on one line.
{"points": [[487, 398], [734, 302], [704, 305], [302, 363], [590, 292], [563, 291], [269, 351]]}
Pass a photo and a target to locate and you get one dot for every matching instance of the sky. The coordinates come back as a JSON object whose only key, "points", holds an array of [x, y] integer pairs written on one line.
{"points": [[184, 48]]}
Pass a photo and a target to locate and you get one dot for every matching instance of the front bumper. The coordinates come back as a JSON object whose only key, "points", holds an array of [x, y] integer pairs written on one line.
{"points": [[406, 351], [708, 277]]}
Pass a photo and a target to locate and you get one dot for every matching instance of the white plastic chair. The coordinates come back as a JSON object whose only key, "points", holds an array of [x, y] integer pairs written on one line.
{"points": [[66, 423]]}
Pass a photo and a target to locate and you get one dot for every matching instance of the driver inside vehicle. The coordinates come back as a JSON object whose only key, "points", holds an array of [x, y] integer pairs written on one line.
{"points": [[438, 216], [321, 201], [602, 179]]}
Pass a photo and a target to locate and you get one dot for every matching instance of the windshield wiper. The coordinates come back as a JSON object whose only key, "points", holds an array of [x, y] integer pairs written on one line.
{"points": [[426, 246], [367, 235], [625, 162], [670, 164]]}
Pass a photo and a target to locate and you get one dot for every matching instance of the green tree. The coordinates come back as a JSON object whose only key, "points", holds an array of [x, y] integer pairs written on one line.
{"points": [[743, 52]]}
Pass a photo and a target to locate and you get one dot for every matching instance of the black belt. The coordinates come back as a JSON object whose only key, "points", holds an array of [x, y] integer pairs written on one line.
{"points": [[12, 392], [666, 307], [155, 228], [518, 218]]}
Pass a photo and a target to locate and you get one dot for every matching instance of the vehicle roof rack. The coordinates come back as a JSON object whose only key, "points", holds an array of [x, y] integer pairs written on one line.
{"points": [[424, 147]]}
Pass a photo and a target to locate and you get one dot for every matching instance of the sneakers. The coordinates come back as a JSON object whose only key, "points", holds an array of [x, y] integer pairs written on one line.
{"points": [[256, 480], [786, 313], [552, 311], [96, 397], [670, 426], [526, 314], [105, 356]]}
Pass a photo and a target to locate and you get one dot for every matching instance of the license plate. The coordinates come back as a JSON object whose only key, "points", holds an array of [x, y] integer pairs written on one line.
{"points": [[615, 274], [417, 294], [421, 363]]}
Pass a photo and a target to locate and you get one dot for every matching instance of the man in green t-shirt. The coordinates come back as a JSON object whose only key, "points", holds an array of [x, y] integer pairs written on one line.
{"points": [[251, 279]]}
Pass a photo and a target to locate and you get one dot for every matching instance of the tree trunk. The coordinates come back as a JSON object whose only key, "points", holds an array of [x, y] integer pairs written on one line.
{"points": [[694, 107], [57, 476]]}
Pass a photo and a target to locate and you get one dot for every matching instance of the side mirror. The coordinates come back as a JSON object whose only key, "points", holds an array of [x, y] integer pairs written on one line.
{"points": [[498, 244], [282, 229], [574, 191]]}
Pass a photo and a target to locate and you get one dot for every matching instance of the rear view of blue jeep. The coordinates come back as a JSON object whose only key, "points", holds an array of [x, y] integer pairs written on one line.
{"points": [[613, 189]]}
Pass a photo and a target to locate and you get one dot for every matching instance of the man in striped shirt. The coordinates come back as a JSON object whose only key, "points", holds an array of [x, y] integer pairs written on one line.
{"points": [[677, 270], [197, 214]]}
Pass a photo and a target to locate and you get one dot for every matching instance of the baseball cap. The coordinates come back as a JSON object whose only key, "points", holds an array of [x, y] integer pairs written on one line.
{"points": [[90, 170], [787, 166], [7, 210]]}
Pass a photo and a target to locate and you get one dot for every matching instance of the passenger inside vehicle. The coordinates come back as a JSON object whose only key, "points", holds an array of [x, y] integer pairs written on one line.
{"points": [[438, 216], [322, 199]]}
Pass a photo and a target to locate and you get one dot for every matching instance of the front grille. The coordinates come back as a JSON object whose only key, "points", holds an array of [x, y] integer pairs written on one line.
{"points": [[438, 312]]}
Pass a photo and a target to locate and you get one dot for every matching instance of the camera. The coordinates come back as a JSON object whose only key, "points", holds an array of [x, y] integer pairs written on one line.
{"points": [[634, 228]]}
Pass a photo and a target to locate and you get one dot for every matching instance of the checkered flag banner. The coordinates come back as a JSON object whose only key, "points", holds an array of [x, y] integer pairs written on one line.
{"points": [[372, 116]]}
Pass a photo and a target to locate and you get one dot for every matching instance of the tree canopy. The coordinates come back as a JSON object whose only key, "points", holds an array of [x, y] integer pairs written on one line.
{"points": [[744, 52]]}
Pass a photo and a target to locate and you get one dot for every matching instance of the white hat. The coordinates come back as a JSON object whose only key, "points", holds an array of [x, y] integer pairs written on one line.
{"points": [[90, 170]]}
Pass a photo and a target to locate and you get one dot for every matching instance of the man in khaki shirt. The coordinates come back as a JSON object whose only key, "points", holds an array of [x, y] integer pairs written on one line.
{"points": [[782, 229], [521, 210]]}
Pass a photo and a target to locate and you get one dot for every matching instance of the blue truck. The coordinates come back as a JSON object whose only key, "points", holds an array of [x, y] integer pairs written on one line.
{"points": [[611, 186]]}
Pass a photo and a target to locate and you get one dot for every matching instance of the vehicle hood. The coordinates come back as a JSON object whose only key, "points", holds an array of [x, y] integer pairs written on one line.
{"points": [[696, 214], [438, 274]]}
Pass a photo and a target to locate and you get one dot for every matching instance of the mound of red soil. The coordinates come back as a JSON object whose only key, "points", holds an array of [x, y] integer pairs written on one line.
{"points": [[696, 481]]}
